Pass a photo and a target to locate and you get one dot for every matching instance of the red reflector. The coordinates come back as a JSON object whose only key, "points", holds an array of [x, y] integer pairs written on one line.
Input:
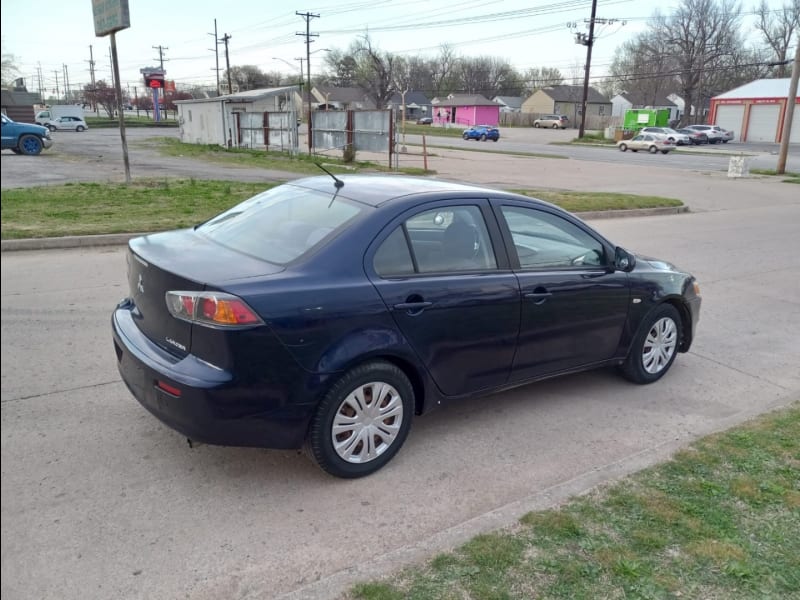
{"points": [[172, 390]]}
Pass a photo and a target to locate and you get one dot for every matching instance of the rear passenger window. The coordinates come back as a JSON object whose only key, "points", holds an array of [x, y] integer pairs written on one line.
{"points": [[445, 240]]}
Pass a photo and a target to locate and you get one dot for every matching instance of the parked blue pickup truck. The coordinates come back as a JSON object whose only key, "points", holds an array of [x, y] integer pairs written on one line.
{"points": [[24, 138]]}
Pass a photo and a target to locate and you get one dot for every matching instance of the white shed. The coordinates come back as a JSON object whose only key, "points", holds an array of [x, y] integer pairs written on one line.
{"points": [[238, 120], [755, 111]]}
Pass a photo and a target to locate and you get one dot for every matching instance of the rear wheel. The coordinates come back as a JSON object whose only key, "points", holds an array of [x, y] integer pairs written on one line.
{"points": [[652, 149], [536, 125], [30, 145], [483, 137], [362, 421], [655, 346], [623, 147], [555, 125], [465, 136]]}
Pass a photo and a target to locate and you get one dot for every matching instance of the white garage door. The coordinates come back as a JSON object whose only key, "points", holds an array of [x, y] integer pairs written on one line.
{"points": [[763, 125], [731, 117], [795, 137]]}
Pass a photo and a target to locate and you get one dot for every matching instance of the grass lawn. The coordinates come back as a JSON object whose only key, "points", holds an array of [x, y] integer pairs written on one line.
{"points": [[791, 177], [721, 520], [130, 121], [160, 204], [279, 161], [430, 130]]}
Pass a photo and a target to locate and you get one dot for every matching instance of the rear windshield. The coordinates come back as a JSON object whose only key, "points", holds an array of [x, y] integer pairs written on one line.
{"points": [[281, 224]]}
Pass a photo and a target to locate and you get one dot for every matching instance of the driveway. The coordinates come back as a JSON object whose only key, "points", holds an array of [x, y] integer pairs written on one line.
{"points": [[99, 500]]}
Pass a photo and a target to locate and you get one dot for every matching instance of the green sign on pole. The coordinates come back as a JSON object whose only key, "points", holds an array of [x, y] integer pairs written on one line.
{"points": [[110, 16]]}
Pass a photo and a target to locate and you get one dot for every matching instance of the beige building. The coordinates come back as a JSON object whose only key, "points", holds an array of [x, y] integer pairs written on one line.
{"points": [[566, 100]]}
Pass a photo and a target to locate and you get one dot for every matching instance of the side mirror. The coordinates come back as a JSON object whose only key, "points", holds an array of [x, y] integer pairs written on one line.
{"points": [[624, 260]]}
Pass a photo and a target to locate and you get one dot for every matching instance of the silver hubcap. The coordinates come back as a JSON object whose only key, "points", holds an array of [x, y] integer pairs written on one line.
{"points": [[367, 422], [659, 345]]}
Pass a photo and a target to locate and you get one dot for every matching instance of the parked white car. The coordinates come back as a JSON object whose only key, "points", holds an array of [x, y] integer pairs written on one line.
{"points": [[68, 123], [715, 133], [681, 139], [652, 142]]}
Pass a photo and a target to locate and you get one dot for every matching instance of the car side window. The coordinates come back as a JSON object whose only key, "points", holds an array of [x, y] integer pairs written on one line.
{"points": [[443, 240], [546, 241]]}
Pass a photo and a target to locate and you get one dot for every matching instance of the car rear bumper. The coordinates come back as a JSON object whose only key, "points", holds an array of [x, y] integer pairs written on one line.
{"points": [[211, 407]]}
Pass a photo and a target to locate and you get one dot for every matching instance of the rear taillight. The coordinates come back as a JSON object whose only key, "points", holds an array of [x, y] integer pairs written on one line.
{"points": [[215, 309]]}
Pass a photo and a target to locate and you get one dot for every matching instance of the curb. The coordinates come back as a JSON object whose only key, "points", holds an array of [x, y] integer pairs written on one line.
{"points": [[120, 239]]}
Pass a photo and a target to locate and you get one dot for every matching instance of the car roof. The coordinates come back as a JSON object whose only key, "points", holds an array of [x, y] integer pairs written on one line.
{"points": [[377, 190]]}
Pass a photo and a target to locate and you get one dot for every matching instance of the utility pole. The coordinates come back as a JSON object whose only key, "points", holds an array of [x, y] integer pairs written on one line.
{"points": [[161, 58], [308, 35], [588, 42], [789, 110], [66, 81], [58, 90], [216, 52], [225, 39], [39, 75], [91, 75]]}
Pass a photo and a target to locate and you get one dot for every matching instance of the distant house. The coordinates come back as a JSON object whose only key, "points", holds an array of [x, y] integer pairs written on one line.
{"points": [[18, 105], [465, 110], [341, 98], [566, 100], [417, 104], [509, 104], [237, 120], [628, 100]]}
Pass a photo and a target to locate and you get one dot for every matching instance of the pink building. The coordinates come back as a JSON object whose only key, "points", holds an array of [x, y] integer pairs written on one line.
{"points": [[466, 110]]}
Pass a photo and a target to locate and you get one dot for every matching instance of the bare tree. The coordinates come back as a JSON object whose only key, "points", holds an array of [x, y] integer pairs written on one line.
{"points": [[9, 69], [777, 28], [540, 77], [103, 95], [376, 71], [487, 75], [444, 75]]}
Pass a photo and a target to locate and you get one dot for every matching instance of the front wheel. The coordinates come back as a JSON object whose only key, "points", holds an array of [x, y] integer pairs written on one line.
{"points": [[652, 149], [30, 145], [483, 137], [536, 125], [465, 136], [665, 152], [51, 127], [80, 128], [623, 147], [555, 126], [655, 346], [362, 421]]}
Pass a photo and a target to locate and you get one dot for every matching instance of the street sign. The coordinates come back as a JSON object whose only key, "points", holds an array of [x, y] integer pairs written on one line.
{"points": [[110, 16]]}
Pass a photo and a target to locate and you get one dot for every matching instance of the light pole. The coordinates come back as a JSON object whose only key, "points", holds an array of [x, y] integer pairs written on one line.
{"points": [[789, 113]]}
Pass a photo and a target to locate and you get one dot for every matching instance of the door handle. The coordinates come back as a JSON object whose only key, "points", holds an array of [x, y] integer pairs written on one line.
{"points": [[539, 296], [412, 306]]}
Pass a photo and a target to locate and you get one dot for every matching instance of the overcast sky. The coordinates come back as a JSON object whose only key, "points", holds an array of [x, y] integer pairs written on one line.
{"points": [[528, 33]]}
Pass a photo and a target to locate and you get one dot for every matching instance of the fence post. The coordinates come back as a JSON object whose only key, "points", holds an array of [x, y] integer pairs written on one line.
{"points": [[424, 153]]}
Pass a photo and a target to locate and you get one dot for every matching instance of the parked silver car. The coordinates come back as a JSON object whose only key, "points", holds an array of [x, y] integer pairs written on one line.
{"points": [[715, 133], [681, 139], [553, 121]]}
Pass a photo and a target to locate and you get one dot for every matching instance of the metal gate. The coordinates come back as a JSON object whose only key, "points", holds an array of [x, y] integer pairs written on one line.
{"points": [[281, 130], [251, 129]]}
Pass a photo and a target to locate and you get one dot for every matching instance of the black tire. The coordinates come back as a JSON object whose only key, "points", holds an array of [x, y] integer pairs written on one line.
{"points": [[555, 125], [30, 145], [465, 136], [320, 442], [51, 127], [536, 125], [497, 139], [665, 152], [663, 326], [80, 128], [623, 147], [652, 150], [16, 151], [483, 137]]}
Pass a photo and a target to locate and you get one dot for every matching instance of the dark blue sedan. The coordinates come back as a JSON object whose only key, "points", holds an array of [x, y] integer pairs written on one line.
{"points": [[327, 312], [482, 133]]}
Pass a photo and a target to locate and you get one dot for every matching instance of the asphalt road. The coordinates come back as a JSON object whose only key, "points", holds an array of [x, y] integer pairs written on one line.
{"points": [[101, 501]]}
